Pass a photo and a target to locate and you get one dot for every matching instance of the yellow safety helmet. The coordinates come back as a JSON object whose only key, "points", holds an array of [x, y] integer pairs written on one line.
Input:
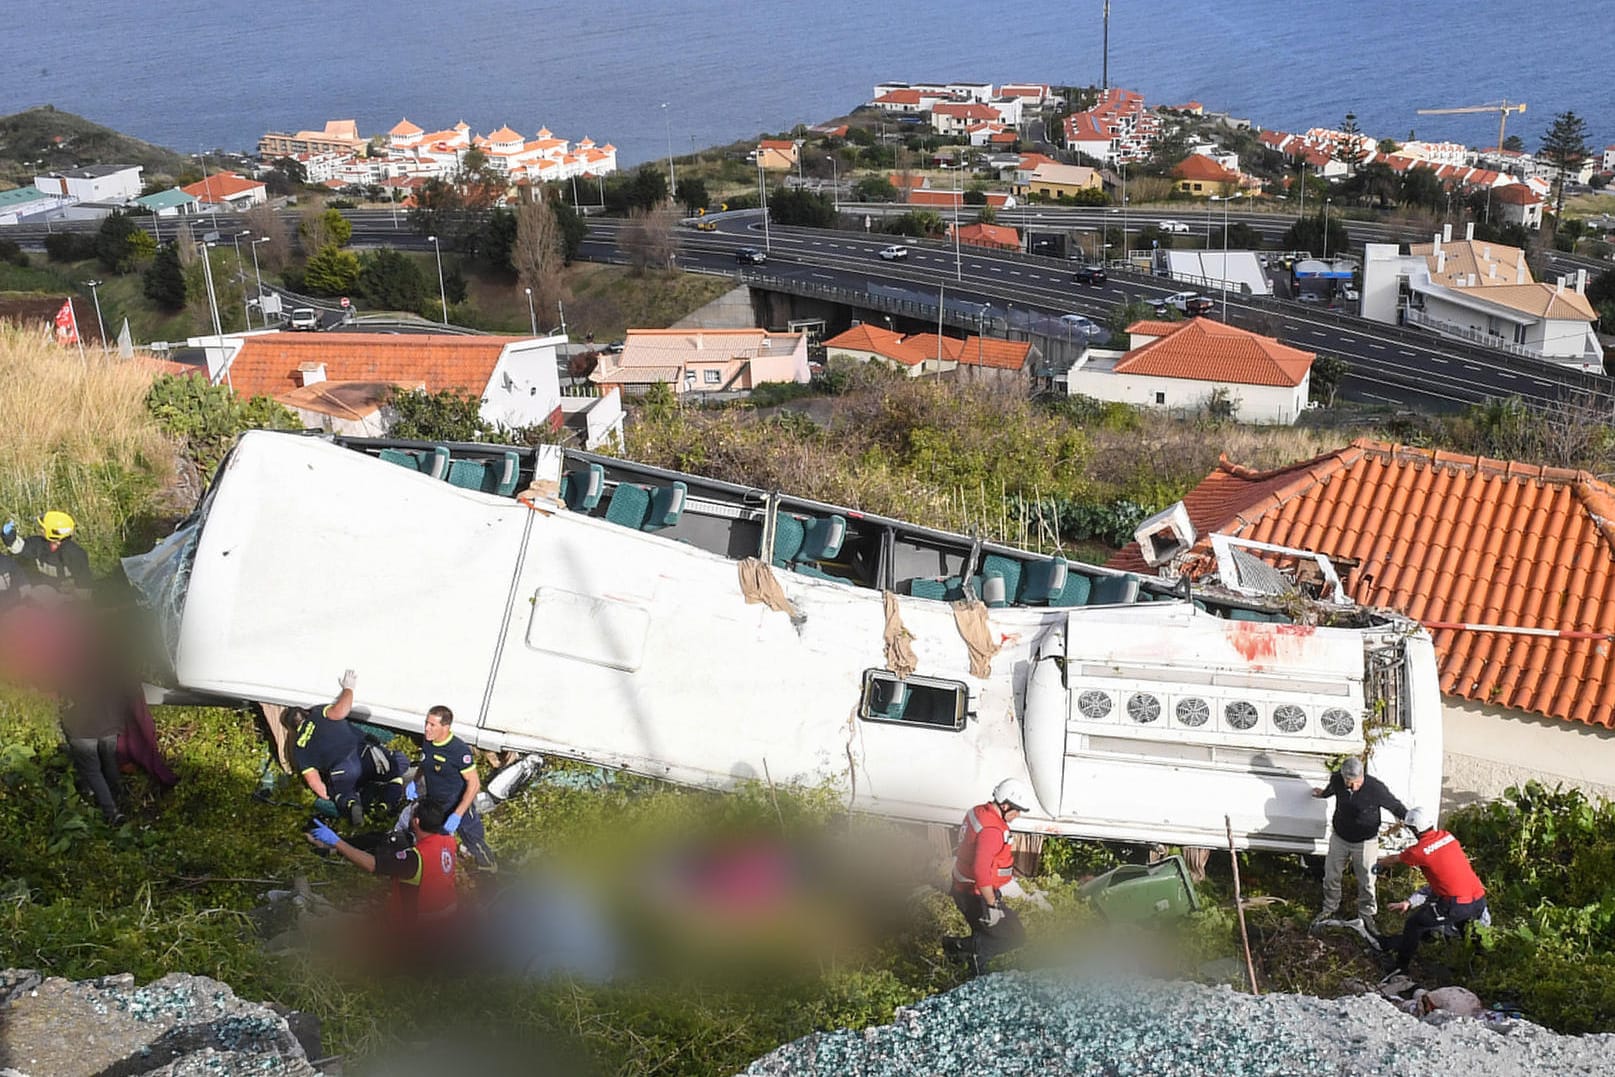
{"points": [[56, 526]]}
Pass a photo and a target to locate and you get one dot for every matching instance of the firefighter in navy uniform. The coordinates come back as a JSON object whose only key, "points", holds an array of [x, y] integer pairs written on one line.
{"points": [[335, 758], [983, 866], [448, 777], [53, 556]]}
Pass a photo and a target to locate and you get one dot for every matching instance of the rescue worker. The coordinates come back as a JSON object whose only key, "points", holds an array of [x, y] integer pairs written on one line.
{"points": [[1354, 837], [53, 556], [420, 864], [335, 758], [448, 777], [1456, 893], [982, 868]]}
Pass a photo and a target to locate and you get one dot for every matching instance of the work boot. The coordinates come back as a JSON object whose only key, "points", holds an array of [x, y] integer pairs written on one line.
{"points": [[355, 812]]}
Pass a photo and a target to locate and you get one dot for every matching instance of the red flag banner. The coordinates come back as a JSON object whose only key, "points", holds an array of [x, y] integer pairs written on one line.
{"points": [[67, 326]]}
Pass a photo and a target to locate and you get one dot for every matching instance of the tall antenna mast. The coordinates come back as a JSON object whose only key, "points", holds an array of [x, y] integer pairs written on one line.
{"points": [[1105, 80]]}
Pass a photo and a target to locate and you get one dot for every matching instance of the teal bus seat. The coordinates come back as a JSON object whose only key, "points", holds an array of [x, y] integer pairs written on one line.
{"points": [[1042, 581], [582, 488], [666, 506], [433, 464], [922, 588], [823, 538], [789, 534], [629, 505], [488, 476], [1077, 591], [1005, 568], [1114, 591], [887, 699]]}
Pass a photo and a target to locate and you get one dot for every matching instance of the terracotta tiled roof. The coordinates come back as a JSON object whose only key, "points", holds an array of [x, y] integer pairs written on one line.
{"points": [[505, 134], [341, 399], [990, 235], [267, 364], [220, 186], [919, 197], [965, 111], [404, 127], [783, 144], [1450, 538], [1199, 167], [899, 97], [1201, 349], [922, 347], [1517, 194]]}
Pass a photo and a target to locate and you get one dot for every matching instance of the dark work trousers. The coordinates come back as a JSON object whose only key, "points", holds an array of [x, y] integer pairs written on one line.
{"points": [[1432, 916], [470, 832], [356, 772], [96, 761], [1006, 935]]}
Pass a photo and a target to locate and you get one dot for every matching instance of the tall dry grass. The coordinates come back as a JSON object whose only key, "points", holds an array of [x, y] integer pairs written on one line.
{"points": [[75, 436]]}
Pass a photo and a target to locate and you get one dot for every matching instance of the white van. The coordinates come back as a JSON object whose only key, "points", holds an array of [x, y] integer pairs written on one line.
{"points": [[304, 319]]}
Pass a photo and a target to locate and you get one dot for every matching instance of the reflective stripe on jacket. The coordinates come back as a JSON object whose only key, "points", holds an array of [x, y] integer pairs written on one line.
{"points": [[985, 856]]}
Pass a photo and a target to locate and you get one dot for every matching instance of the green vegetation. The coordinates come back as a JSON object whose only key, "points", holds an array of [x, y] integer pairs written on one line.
{"points": [[205, 420], [46, 139]]}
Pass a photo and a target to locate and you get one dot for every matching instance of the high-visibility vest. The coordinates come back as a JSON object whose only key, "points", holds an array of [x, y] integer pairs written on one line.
{"points": [[984, 848]]}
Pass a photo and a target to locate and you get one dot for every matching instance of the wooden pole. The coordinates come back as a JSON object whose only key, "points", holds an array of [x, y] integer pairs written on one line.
{"points": [[1244, 936]]}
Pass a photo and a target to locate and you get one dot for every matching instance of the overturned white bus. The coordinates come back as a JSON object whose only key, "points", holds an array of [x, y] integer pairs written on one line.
{"points": [[623, 615]]}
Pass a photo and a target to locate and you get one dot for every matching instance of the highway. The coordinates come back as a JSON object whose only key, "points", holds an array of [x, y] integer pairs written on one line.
{"points": [[1388, 365]]}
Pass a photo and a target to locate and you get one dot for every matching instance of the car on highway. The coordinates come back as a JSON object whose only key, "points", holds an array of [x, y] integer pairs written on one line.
{"points": [[1087, 327], [895, 253], [1089, 275], [1170, 225], [750, 256], [304, 319], [705, 225], [1312, 297], [1189, 303]]}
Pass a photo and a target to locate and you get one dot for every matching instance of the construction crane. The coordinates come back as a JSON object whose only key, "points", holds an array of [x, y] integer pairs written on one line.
{"points": [[1502, 108]]}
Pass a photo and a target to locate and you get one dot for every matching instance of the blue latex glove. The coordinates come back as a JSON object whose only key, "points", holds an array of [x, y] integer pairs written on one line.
{"points": [[8, 533], [409, 792], [452, 823], [324, 835]]}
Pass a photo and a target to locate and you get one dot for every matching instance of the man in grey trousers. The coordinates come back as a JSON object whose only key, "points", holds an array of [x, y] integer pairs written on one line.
{"points": [[1354, 837]]}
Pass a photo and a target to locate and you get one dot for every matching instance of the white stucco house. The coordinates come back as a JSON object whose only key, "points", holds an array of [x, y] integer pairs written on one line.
{"points": [[113, 184], [1181, 365], [1481, 292]]}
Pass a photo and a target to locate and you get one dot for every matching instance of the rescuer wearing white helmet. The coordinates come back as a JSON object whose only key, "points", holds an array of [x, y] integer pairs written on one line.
{"points": [[53, 556], [983, 866]]}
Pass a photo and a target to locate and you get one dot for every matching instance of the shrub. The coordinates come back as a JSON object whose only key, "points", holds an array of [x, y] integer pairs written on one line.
{"points": [[206, 419], [69, 246]]}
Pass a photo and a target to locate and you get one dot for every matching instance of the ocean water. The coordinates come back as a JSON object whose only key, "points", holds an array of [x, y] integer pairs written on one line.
{"points": [[194, 74]]}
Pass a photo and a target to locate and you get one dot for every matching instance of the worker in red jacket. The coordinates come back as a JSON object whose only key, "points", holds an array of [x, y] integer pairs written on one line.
{"points": [[983, 866], [420, 864], [1456, 894]]}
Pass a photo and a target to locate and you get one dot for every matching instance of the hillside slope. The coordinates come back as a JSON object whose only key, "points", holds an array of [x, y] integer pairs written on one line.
{"points": [[44, 139]]}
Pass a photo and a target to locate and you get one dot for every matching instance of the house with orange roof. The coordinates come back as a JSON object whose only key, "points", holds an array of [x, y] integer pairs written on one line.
{"points": [[928, 354], [228, 192], [704, 360], [1518, 204], [1117, 128], [1029, 94], [778, 154], [1484, 293], [1201, 177], [1510, 566], [999, 237], [341, 382], [953, 118], [1182, 365]]}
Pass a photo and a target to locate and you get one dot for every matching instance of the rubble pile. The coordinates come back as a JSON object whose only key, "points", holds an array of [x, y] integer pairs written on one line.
{"points": [[1043, 1024], [178, 1026]]}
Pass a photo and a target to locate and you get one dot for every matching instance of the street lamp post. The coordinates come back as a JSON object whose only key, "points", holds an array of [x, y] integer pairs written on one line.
{"points": [[207, 276], [1123, 166], [95, 295], [762, 186], [442, 293], [263, 314], [532, 315], [958, 197], [672, 178], [1326, 202], [1225, 199], [241, 275], [835, 183]]}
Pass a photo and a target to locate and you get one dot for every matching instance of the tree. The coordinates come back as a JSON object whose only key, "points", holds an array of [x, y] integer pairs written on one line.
{"points": [[536, 254], [648, 240], [442, 416], [264, 223], [1514, 144], [796, 206], [574, 227], [331, 271], [324, 228], [920, 223], [390, 280], [1565, 148], [874, 189], [1328, 371], [1349, 150], [115, 245], [1309, 235], [164, 280], [692, 195]]}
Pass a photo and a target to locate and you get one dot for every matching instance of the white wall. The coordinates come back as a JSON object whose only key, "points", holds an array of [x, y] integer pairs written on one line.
{"points": [[534, 390], [1489, 749], [1256, 403]]}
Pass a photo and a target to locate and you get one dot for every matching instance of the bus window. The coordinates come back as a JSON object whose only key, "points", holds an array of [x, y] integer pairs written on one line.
{"points": [[921, 701]]}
